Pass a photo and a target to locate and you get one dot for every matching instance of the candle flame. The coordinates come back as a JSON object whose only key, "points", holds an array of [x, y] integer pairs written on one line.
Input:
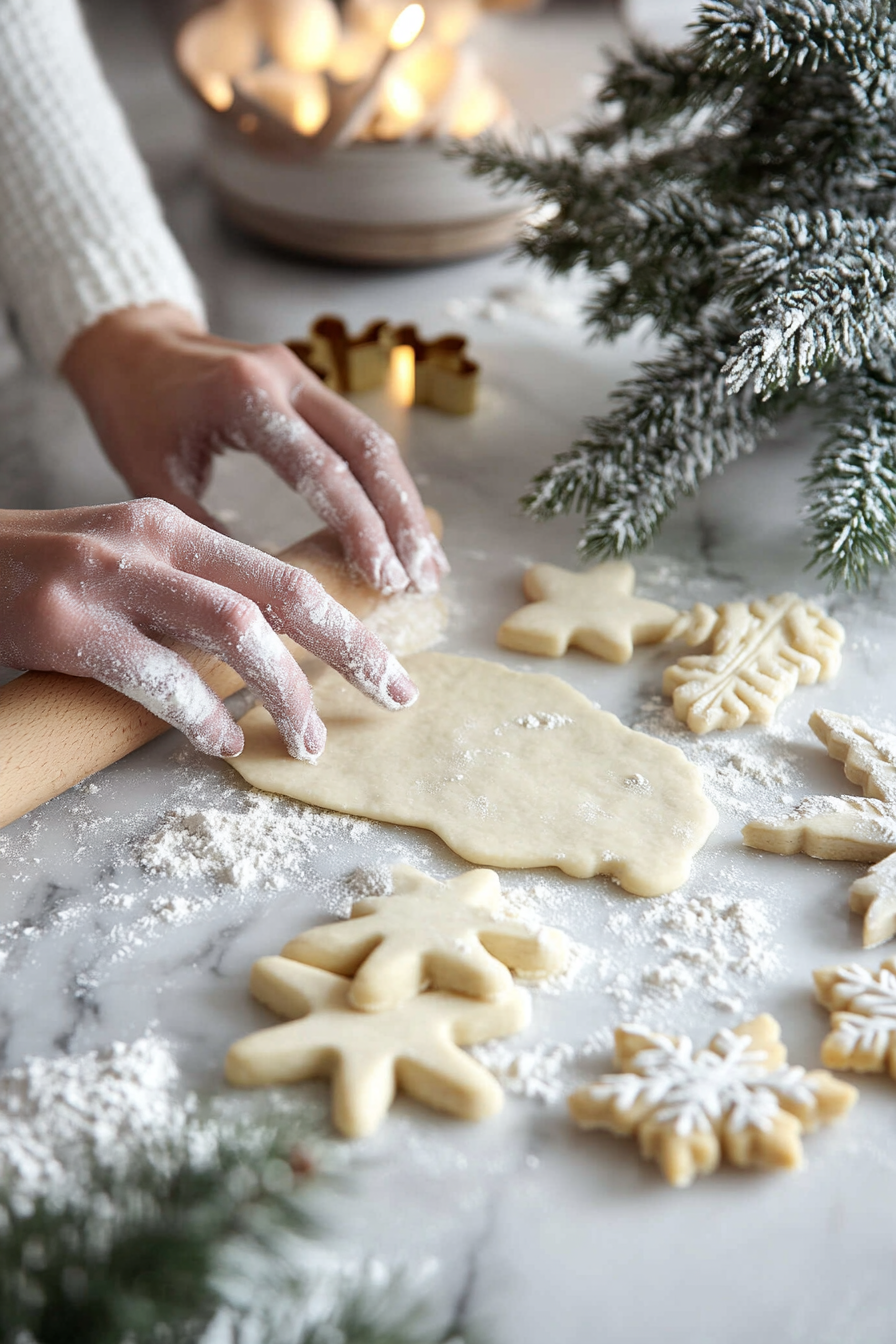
{"points": [[403, 375], [406, 28]]}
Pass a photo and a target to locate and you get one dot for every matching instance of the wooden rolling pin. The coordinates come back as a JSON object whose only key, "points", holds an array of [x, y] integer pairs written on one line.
{"points": [[55, 730]]}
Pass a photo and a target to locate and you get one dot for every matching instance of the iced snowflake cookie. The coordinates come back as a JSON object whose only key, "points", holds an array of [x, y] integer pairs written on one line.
{"points": [[738, 1098], [760, 652], [370, 1056], [511, 770], [595, 611], [846, 827], [862, 1005], [450, 935]]}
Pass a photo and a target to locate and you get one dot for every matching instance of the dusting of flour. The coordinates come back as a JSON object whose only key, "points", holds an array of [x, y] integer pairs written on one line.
{"points": [[259, 846]]}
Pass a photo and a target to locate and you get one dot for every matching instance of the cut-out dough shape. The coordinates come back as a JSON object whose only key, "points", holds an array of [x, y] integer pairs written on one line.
{"points": [[369, 1056], [761, 651], [845, 827], [687, 1108], [862, 1005], [450, 935], [595, 611], [511, 770]]}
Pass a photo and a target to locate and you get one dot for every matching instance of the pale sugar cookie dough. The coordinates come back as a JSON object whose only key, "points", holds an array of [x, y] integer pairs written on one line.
{"points": [[511, 770], [370, 1056]]}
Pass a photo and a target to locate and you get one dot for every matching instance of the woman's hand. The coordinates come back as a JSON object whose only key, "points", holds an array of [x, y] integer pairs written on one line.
{"points": [[84, 589], [165, 397]]}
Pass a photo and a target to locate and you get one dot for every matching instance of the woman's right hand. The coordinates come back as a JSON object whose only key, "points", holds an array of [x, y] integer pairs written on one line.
{"points": [[84, 590]]}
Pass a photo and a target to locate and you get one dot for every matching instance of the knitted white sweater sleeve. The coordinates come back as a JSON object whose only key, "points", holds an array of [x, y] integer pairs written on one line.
{"points": [[81, 232]]}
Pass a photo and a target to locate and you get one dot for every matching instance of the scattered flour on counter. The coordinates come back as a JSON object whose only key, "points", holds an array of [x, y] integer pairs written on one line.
{"points": [[261, 845], [540, 1074], [60, 1118], [716, 945], [737, 777]]}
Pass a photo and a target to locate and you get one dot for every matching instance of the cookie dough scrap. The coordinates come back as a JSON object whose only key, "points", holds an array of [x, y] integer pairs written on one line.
{"points": [[760, 652], [512, 771], [370, 1056], [449, 935], [595, 611], [688, 1108], [846, 827], [862, 1005]]}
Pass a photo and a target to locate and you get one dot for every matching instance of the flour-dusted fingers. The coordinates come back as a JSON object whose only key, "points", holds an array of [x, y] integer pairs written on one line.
{"points": [[112, 650], [275, 432], [230, 625], [376, 463], [295, 604]]}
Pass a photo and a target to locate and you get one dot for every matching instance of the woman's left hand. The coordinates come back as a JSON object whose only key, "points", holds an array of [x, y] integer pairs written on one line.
{"points": [[165, 397]]}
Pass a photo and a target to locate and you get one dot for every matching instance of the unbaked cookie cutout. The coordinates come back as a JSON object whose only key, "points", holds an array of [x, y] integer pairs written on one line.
{"points": [[688, 1108], [445, 935], [595, 611], [369, 1057], [846, 827]]}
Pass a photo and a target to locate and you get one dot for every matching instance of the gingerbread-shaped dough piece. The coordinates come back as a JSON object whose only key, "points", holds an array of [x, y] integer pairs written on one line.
{"points": [[512, 770], [738, 1098], [370, 1056], [449, 935], [595, 611]]}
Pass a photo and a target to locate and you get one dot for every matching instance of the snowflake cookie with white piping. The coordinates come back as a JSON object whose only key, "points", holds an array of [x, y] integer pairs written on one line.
{"points": [[448, 935], [846, 827], [862, 1005], [688, 1108]]}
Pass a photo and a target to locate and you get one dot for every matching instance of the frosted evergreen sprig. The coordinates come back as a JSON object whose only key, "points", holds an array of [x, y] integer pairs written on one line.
{"points": [[740, 193]]}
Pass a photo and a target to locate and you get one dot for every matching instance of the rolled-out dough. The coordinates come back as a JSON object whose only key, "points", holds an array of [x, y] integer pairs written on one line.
{"points": [[512, 771]]}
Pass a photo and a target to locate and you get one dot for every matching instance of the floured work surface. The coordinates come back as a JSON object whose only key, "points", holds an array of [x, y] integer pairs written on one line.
{"points": [[511, 770]]}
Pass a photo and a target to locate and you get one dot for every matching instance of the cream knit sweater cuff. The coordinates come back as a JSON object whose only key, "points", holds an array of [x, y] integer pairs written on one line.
{"points": [[81, 231]]}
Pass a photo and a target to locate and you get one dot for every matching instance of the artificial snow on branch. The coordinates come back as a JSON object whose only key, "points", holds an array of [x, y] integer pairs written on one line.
{"points": [[739, 193]]}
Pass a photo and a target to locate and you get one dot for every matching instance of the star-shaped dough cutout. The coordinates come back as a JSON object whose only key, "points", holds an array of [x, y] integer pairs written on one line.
{"points": [[370, 1056], [595, 611], [448, 935]]}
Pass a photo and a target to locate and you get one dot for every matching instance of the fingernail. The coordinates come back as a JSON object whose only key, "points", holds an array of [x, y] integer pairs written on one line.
{"points": [[439, 556], [315, 734], [402, 690], [394, 576], [428, 578], [233, 742]]}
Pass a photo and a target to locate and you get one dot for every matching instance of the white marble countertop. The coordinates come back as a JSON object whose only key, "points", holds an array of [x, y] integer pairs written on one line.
{"points": [[541, 1233]]}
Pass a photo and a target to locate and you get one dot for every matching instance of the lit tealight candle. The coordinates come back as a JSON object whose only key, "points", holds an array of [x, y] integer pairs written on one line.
{"points": [[402, 375]]}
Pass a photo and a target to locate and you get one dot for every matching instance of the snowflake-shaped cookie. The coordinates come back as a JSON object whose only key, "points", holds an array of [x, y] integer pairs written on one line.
{"points": [[739, 1098], [862, 1005], [595, 611], [846, 827], [449, 935], [369, 1056]]}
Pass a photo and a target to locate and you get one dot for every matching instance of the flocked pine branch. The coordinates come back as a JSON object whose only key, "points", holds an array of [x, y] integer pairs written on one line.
{"points": [[740, 193], [852, 486]]}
